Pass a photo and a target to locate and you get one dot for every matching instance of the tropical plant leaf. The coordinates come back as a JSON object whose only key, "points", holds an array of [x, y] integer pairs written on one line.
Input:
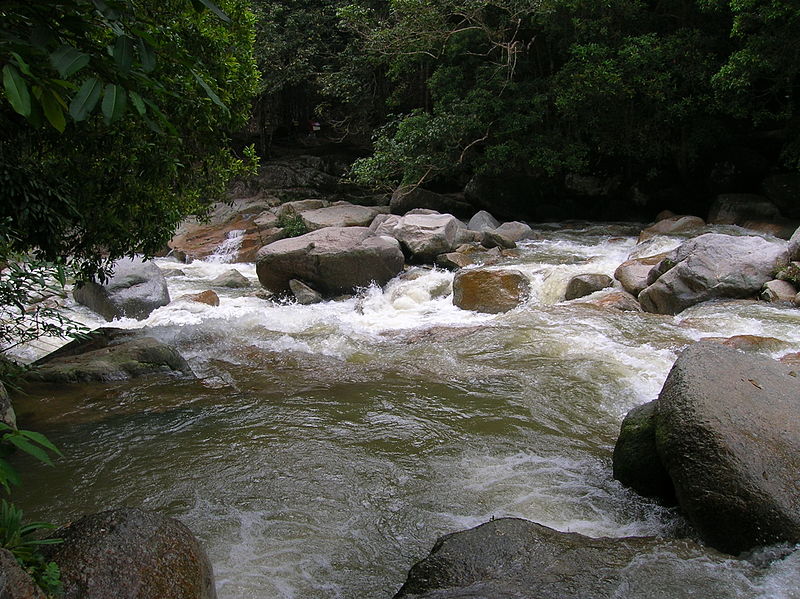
{"points": [[16, 90], [86, 99], [123, 53], [53, 109], [68, 61], [41, 440], [29, 448], [114, 102], [23, 66], [209, 92], [146, 56], [213, 8], [137, 102]]}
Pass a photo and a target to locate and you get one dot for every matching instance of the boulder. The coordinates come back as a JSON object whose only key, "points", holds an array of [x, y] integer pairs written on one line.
{"points": [[783, 189], [728, 434], [108, 354], [737, 208], [16, 583], [632, 274], [204, 297], [778, 291], [339, 215], [493, 239], [490, 291], [794, 246], [671, 225], [298, 207], [712, 266], [755, 343], [482, 221], [232, 279], [406, 199], [636, 461], [333, 260], [422, 236], [585, 284], [515, 231], [131, 554], [304, 294], [453, 260], [7, 414], [134, 290], [511, 558], [614, 299]]}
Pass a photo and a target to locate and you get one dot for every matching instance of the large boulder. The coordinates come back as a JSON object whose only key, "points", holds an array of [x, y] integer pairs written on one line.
{"points": [[422, 236], [672, 225], [490, 291], [333, 260], [16, 583], [405, 199], [134, 290], [585, 284], [728, 434], [515, 230], [339, 215], [131, 554], [511, 558], [712, 266], [108, 354], [738, 208], [482, 221], [632, 274]]}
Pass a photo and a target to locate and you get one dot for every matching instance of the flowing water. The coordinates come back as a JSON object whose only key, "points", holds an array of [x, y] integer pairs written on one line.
{"points": [[324, 448]]}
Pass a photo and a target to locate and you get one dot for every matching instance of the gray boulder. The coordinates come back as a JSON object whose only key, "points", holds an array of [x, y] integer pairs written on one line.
{"points": [[333, 260], [493, 239], [134, 290], [232, 279], [777, 291], [511, 558], [794, 246], [7, 414], [672, 225], [422, 236], [632, 274], [489, 291], [108, 354], [712, 266], [131, 554], [16, 583], [585, 284], [339, 215], [482, 221], [728, 434], [515, 230], [739, 208], [304, 294]]}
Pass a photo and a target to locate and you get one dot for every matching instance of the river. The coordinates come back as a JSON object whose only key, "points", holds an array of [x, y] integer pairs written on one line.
{"points": [[324, 448]]}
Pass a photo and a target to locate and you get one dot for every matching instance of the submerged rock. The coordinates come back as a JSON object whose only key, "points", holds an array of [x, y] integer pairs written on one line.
{"points": [[490, 291], [333, 260], [108, 354], [510, 558], [131, 554], [204, 297], [712, 266], [134, 290]]}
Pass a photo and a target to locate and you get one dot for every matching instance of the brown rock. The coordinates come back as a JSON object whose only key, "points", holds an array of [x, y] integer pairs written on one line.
{"points": [[204, 297], [632, 274], [15, 583], [453, 260], [778, 291], [615, 300], [490, 291], [748, 342], [673, 224]]}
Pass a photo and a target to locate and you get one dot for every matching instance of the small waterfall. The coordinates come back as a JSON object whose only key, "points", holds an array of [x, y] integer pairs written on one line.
{"points": [[228, 249]]}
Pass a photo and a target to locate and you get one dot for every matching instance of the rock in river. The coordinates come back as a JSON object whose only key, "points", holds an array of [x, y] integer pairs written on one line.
{"points": [[131, 554], [490, 291]]}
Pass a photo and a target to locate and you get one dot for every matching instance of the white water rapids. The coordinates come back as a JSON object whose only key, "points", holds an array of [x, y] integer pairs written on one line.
{"points": [[324, 448]]}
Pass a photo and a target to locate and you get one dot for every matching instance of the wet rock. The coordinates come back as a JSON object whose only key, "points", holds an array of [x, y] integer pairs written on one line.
{"points": [[632, 274], [339, 215], [333, 260], [794, 246], [108, 354], [748, 342], [728, 433], [515, 231], [482, 221], [671, 225], [173, 272], [131, 554], [791, 359], [204, 297], [406, 199], [15, 583], [490, 291], [304, 294], [464, 236], [778, 291], [711, 266], [636, 461], [585, 284], [299, 206], [422, 236], [7, 414], [232, 279], [737, 208], [453, 260], [493, 239], [614, 300], [510, 558], [134, 290]]}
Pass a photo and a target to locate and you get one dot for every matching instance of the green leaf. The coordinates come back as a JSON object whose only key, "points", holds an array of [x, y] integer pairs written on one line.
{"points": [[209, 92], [23, 66], [146, 56], [137, 102], [114, 102], [8, 476], [29, 448], [41, 440], [123, 53], [215, 9], [68, 61], [16, 90], [53, 109], [86, 99]]}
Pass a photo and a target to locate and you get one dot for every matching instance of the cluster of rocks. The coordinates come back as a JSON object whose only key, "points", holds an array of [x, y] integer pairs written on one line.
{"points": [[126, 554]]}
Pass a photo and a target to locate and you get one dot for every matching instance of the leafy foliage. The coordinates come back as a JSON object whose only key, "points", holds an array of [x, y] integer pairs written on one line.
{"points": [[292, 224]]}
